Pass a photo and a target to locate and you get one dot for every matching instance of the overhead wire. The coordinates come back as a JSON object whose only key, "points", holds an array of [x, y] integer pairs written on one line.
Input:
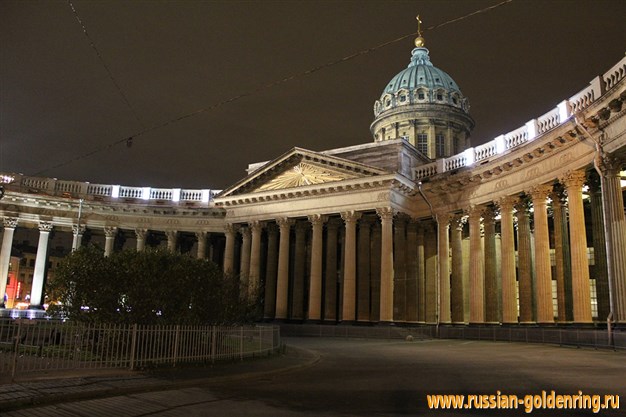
{"points": [[129, 139]]}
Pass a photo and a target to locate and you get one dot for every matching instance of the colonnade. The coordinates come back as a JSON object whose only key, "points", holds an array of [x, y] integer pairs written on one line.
{"points": [[45, 228], [492, 263]]}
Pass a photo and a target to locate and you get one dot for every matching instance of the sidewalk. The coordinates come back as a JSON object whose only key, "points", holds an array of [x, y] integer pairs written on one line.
{"points": [[67, 386]]}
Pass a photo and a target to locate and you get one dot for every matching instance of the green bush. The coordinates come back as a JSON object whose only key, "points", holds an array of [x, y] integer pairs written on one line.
{"points": [[148, 287]]}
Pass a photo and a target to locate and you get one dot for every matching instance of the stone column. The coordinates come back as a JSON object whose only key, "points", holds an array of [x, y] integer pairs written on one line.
{"points": [[375, 252], [386, 264], [613, 207], [421, 275], [36, 292], [581, 292], [77, 236], [399, 267], [543, 267], [299, 267], [559, 276], [363, 270], [330, 287], [141, 235], [229, 248], [201, 237], [254, 276], [411, 271], [492, 296], [109, 236], [349, 278], [172, 240], [271, 269], [509, 297], [477, 272], [315, 284], [599, 246], [443, 256], [282, 284], [430, 273], [524, 263], [10, 223], [456, 280], [244, 261]]}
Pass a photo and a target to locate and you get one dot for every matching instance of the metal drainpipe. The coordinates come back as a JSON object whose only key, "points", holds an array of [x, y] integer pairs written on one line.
{"points": [[608, 237], [432, 214]]}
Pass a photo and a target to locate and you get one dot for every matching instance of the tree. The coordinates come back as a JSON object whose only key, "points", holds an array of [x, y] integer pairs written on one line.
{"points": [[148, 287]]}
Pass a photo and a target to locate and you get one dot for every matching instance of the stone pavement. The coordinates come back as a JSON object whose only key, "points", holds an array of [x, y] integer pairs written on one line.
{"points": [[36, 390]]}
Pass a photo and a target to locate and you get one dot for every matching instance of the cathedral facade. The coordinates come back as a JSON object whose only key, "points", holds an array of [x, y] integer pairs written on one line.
{"points": [[416, 226]]}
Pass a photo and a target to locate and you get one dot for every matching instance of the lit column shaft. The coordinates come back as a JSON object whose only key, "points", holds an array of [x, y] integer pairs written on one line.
{"points": [[109, 236], [509, 298], [443, 256], [254, 277], [282, 284], [386, 264], [543, 267], [349, 278], [315, 285], [10, 223], [477, 272], [36, 292], [581, 292]]}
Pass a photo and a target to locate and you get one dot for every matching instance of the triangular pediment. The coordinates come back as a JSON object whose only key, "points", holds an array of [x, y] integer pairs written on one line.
{"points": [[300, 168]]}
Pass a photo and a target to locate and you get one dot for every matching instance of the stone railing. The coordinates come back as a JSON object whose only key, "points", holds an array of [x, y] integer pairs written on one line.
{"points": [[533, 128], [87, 191]]}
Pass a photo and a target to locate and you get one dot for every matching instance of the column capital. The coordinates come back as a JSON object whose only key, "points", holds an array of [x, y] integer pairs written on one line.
{"points": [[230, 228], [285, 222], [443, 218], [45, 227], [507, 203], [350, 216], [521, 206], [458, 221], [609, 164], [573, 179], [317, 219], [110, 231], [540, 192], [489, 214], [141, 233], [245, 232], [385, 213], [474, 212], [256, 226], [10, 222], [78, 229], [201, 234]]}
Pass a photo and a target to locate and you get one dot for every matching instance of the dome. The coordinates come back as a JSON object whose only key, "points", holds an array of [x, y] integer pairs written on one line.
{"points": [[423, 105], [421, 73], [421, 82]]}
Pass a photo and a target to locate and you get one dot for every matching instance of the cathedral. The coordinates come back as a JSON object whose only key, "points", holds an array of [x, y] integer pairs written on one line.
{"points": [[415, 227]]}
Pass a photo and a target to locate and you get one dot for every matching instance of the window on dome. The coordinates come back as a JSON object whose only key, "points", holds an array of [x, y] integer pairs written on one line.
{"points": [[439, 97], [422, 143], [437, 79], [387, 102], [402, 99], [420, 96], [440, 145], [454, 100]]}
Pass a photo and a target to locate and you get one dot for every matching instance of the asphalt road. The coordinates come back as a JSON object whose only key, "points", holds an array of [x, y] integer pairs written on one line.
{"points": [[381, 378]]}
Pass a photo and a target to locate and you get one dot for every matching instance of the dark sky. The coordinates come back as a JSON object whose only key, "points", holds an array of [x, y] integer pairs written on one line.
{"points": [[57, 101]]}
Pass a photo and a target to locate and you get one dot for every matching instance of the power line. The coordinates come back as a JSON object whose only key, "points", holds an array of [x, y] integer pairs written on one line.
{"points": [[129, 140]]}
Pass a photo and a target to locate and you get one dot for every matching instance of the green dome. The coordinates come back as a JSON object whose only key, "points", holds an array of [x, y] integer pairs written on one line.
{"points": [[421, 83], [421, 73]]}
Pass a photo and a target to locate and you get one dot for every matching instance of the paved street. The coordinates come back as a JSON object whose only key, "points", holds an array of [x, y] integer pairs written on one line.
{"points": [[377, 378]]}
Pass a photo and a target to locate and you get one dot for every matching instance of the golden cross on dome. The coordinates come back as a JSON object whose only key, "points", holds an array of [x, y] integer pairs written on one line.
{"points": [[419, 41]]}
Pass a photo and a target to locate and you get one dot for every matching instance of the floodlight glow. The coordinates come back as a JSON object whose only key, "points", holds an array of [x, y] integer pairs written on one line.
{"points": [[500, 144], [115, 191], [563, 111], [206, 194], [531, 128], [469, 156], [145, 193], [176, 195]]}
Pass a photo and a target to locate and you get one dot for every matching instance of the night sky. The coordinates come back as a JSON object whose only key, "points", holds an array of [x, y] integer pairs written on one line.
{"points": [[58, 102]]}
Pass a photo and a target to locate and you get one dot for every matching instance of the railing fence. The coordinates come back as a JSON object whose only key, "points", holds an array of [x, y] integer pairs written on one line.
{"points": [[41, 345]]}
